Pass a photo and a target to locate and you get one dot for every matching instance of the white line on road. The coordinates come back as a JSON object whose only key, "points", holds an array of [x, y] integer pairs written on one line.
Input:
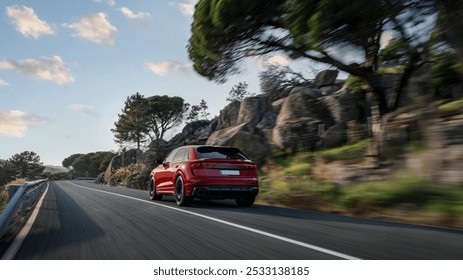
{"points": [[278, 237], [18, 241]]}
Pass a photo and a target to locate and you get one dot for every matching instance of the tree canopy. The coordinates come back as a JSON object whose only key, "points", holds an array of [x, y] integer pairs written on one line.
{"points": [[26, 165], [132, 123], [239, 92], [277, 80], [149, 117], [198, 111], [89, 165], [164, 113], [225, 32], [67, 162]]}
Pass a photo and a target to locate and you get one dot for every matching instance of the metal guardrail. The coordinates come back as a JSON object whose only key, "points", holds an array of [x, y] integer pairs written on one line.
{"points": [[25, 196]]}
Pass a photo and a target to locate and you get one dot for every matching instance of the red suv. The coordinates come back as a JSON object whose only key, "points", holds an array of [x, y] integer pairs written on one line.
{"points": [[205, 172]]}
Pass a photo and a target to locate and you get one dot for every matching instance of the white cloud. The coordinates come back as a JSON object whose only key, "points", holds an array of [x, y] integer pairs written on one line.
{"points": [[277, 59], [16, 123], [188, 7], [162, 68], [3, 83], [131, 15], [96, 29], [84, 109], [110, 2], [27, 23], [49, 69]]}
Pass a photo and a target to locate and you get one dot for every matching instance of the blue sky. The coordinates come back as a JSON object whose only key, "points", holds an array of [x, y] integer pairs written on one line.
{"points": [[66, 68]]}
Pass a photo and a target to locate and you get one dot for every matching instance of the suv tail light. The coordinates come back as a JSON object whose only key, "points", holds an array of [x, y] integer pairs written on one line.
{"points": [[196, 168]]}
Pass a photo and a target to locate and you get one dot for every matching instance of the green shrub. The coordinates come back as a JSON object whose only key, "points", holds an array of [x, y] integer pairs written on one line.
{"points": [[404, 188], [296, 169], [451, 106], [354, 84], [347, 152], [327, 190], [446, 71]]}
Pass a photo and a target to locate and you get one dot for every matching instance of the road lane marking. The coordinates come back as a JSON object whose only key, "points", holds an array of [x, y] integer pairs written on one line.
{"points": [[264, 233], [18, 241]]}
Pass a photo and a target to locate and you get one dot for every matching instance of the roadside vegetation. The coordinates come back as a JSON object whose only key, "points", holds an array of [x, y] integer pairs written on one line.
{"points": [[3, 198], [403, 196], [4, 192], [452, 106]]}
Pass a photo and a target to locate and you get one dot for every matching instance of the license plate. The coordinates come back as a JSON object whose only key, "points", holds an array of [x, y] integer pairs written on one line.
{"points": [[230, 172]]}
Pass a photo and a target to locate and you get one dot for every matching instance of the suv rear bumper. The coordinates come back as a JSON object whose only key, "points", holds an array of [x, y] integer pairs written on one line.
{"points": [[224, 192]]}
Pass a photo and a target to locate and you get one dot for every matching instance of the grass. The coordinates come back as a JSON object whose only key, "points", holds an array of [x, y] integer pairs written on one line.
{"points": [[346, 152], [300, 163], [296, 169], [400, 189], [451, 106], [416, 197]]}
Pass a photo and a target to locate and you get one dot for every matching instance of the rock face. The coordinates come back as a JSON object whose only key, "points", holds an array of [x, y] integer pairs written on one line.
{"points": [[267, 124], [326, 78], [248, 138], [335, 136], [299, 121], [125, 159], [158, 149], [195, 133], [297, 134], [229, 115], [343, 107], [252, 109]]}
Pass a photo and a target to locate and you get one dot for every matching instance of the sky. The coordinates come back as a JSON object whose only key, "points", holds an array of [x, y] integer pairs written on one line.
{"points": [[66, 68]]}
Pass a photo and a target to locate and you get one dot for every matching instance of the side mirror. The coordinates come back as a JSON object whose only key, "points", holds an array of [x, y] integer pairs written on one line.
{"points": [[159, 161]]}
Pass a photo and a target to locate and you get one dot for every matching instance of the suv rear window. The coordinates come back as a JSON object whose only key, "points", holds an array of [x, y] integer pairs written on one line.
{"points": [[220, 152]]}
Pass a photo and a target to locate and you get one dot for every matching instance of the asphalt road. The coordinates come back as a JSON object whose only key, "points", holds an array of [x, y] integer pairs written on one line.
{"points": [[82, 220]]}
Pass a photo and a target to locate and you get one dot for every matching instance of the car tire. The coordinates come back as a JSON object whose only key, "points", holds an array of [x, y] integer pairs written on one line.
{"points": [[180, 196], [245, 201], [152, 190]]}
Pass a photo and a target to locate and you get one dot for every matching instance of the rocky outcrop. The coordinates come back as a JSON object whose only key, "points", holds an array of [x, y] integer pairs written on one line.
{"points": [[299, 121], [195, 133], [158, 149], [343, 107], [297, 134], [302, 104], [267, 124], [326, 78], [248, 138], [335, 136], [252, 109], [123, 160], [229, 115]]}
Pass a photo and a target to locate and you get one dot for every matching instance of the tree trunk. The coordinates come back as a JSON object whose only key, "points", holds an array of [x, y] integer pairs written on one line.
{"points": [[411, 67], [375, 89], [453, 13]]}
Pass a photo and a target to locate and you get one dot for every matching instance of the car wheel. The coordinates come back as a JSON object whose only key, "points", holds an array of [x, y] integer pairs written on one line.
{"points": [[153, 195], [180, 195], [245, 201]]}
